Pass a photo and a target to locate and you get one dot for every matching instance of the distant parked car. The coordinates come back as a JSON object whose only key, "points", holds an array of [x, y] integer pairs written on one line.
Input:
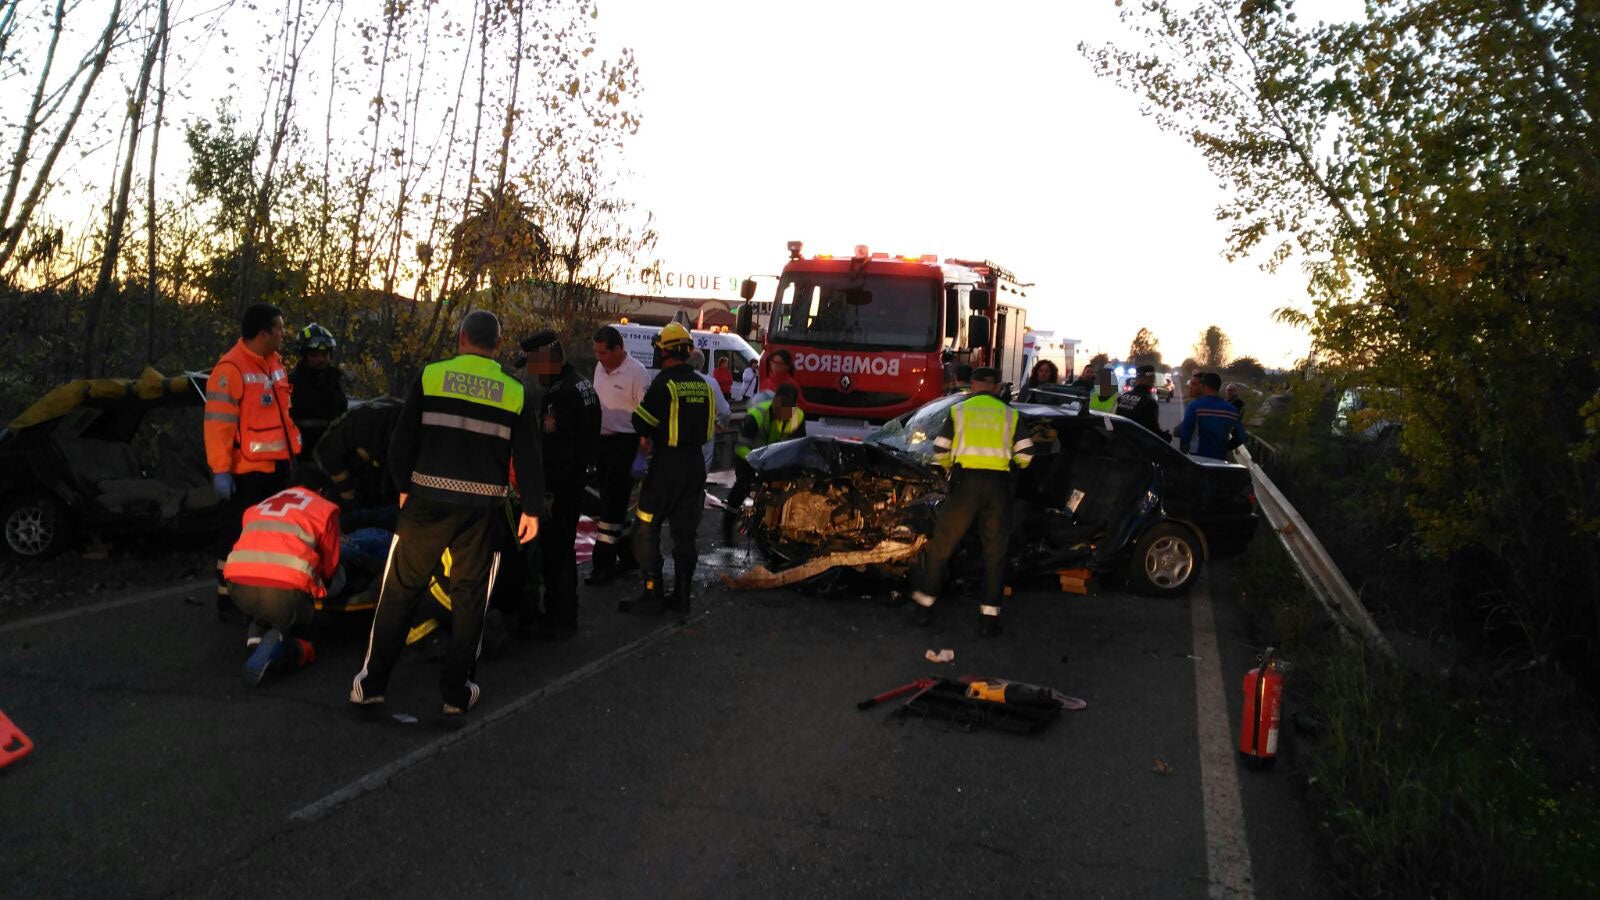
{"points": [[109, 455], [1164, 389], [1102, 493]]}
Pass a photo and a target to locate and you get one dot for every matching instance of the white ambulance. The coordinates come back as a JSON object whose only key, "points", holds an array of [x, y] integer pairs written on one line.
{"points": [[640, 341]]}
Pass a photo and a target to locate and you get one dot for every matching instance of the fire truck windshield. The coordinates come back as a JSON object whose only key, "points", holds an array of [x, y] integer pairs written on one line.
{"points": [[872, 313]]}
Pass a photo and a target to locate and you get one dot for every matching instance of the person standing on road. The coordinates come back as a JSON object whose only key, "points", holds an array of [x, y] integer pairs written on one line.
{"points": [[570, 422], [723, 374], [318, 386], [1231, 394], [676, 417], [464, 425], [1139, 404], [697, 361], [768, 422], [250, 434], [1105, 395], [979, 443], [1211, 420], [620, 382], [1044, 372], [777, 368], [284, 562], [749, 383]]}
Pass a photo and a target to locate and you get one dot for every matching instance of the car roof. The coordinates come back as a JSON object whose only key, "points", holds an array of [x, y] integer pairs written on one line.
{"points": [[151, 388]]}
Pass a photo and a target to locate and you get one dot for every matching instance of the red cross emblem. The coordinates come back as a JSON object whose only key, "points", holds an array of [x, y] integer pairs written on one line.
{"points": [[281, 504]]}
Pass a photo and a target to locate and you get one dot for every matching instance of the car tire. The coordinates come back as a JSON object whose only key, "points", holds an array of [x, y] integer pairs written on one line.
{"points": [[36, 525], [1166, 560]]}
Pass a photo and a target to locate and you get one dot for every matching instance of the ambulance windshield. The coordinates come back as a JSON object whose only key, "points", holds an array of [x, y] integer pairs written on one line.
{"points": [[871, 313]]}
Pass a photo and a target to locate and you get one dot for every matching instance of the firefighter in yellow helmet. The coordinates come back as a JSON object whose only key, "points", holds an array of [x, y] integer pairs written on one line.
{"points": [[676, 416], [980, 443]]}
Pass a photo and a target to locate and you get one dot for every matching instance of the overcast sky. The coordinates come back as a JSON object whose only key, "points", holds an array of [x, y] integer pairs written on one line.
{"points": [[954, 128]]}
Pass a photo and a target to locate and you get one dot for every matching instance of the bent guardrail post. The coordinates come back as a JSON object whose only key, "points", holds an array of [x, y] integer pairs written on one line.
{"points": [[1312, 561]]}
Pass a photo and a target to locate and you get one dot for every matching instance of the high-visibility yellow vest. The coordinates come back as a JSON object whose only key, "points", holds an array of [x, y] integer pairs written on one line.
{"points": [[1109, 404], [769, 429], [983, 429]]}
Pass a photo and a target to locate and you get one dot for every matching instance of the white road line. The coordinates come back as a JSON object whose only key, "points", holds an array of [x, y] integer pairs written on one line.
{"points": [[1227, 848], [381, 776], [73, 613]]}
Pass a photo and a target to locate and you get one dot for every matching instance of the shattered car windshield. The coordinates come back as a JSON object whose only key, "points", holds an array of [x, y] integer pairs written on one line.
{"points": [[914, 433]]}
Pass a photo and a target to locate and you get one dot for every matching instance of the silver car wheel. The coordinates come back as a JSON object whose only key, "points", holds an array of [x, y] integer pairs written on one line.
{"points": [[1169, 562], [29, 530]]}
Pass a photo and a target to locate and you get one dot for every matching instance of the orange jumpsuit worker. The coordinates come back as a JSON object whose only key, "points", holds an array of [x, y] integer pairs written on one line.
{"points": [[282, 565], [250, 436]]}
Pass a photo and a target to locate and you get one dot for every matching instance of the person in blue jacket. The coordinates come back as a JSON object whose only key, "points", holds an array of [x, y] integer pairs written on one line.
{"points": [[1210, 419]]}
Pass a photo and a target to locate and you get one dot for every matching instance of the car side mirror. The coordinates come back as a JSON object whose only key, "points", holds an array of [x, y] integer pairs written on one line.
{"points": [[978, 299], [742, 319], [747, 289], [978, 332]]}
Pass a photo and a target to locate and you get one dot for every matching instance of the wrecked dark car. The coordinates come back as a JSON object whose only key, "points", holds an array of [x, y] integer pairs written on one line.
{"points": [[1103, 494], [106, 455]]}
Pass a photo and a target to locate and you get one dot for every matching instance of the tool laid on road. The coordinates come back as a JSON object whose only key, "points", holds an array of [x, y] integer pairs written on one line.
{"points": [[14, 745], [1263, 699], [971, 702]]}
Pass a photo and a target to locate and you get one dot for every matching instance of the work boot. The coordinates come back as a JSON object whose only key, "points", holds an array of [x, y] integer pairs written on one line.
{"points": [[921, 613], [652, 601], [270, 650], [451, 709], [682, 588], [604, 567], [252, 636]]}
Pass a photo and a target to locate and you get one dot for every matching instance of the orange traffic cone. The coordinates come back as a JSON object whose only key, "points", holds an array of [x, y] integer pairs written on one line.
{"points": [[14, 745]]}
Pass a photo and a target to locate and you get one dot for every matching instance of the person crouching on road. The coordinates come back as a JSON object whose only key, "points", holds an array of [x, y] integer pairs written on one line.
{"points": [[980, 443], [285, 560], [464, 423], [768, 422], [250, 434], [676, 417]]}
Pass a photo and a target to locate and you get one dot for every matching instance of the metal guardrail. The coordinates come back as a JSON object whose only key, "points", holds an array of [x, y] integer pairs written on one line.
{"points": [[1312, 561]]}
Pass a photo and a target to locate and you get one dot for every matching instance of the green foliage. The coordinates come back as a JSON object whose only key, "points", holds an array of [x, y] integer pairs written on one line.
{"points": [[1145, 349], [1434, 165], [1211, 351], [1245, 367]]}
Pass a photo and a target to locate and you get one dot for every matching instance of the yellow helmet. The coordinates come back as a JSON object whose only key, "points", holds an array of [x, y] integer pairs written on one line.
{"points": [[674, 335]]}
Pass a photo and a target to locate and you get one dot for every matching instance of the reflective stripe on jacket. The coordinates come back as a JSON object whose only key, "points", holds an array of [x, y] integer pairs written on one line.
{"points": [[248, 427], [677, 411], [288, 540], [458, 432], [761, 428], [983, 433]]}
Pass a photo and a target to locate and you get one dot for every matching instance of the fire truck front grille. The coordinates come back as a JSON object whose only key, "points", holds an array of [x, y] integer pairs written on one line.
{"points": [[830, 397]]}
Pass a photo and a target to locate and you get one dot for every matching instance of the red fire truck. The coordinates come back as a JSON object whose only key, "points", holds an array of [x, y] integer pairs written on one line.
{"points": [[874, 335]]}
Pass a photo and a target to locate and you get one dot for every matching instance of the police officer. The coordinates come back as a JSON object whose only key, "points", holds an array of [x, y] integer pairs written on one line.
{"points": [[768, 422], [463, 426], [570, 422], [676, 416], [250, 434], [318, 385], [980, 442], [1139, 403]]}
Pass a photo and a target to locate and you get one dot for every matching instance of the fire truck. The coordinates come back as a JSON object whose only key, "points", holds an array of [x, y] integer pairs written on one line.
{"points": [[875, 335]]}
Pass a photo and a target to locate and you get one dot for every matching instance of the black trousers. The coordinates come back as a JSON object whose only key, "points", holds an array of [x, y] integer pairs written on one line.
{"points": [[559, 559], [249, 489], [282, 608], [974, 495], [674, 493], [744, 478], [425, 529], [615, 470]]}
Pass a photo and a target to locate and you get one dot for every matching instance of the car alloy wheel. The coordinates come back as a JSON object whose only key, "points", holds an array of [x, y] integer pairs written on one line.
{"points": [[35, 526]]}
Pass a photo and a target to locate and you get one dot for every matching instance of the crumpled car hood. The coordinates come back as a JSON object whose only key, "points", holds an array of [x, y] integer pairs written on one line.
{"points": [[829, 456]]}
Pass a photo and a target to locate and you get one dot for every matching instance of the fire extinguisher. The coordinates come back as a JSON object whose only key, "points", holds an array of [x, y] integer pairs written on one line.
{"points": [[1263, 698]]}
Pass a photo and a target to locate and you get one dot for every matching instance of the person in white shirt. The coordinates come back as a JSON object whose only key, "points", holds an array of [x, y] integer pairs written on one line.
{"points": [[747, 383], [697, 359], [620, 382]]}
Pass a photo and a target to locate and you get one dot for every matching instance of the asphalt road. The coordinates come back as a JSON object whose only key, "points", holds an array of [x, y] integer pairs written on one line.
{"points": [[721, 757]]}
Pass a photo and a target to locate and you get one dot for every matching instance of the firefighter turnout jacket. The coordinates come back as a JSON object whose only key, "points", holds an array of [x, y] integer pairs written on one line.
{"points": [[983, 433], [353, 451], [677, 413], [289, 540], [464, 422], [761, 427], [248, 427], [318, 400]]}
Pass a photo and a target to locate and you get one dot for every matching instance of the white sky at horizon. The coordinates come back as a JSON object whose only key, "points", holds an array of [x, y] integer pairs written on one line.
{"points": [[939, 127]]}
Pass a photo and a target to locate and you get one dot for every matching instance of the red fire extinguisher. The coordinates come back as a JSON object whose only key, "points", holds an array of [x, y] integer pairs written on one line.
{"points": [[1263, 697]]}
